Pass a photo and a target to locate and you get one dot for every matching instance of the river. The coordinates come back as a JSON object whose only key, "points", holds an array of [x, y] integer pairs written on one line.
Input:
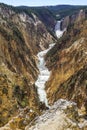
{"points": [[44, 73]]}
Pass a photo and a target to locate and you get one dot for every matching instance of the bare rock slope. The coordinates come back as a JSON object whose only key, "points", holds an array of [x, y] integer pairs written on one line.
{"points": [[62, 115]]}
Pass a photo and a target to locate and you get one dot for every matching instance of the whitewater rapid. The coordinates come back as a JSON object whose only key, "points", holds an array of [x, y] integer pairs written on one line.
{"points": [[44, 73]]}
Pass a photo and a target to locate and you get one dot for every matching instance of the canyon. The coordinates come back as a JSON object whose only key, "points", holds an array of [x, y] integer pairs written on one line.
{"points": [[43, 74]]}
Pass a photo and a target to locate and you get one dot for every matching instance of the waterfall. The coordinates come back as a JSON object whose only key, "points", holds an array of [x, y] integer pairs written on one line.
{"points": [[58, 31]]}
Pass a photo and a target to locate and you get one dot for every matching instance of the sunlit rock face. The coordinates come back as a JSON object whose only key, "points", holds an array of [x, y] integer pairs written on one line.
{"points": [[22, 36], [68, 61]]}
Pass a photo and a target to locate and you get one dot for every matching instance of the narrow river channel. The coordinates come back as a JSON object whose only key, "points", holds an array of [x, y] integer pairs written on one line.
{"points": [[44, 72]]}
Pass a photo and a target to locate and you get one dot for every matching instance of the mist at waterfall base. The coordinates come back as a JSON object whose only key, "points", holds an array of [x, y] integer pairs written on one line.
{"points": [[44, 73]]}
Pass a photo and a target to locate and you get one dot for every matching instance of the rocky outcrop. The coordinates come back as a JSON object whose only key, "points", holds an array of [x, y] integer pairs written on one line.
{"points": [[63, 115]]}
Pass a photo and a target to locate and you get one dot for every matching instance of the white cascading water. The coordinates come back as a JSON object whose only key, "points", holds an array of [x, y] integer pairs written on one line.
{"points": [[58, 31], [44, 72]]}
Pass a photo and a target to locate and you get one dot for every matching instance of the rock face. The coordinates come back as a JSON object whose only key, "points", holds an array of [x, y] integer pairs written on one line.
{"points": [[22, 36], [80, 15], [75, 89], [68, 61], [62, 115]]}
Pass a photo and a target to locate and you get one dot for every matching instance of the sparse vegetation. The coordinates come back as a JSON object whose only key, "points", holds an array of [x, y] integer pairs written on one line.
{"points": [[5, 34]]}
